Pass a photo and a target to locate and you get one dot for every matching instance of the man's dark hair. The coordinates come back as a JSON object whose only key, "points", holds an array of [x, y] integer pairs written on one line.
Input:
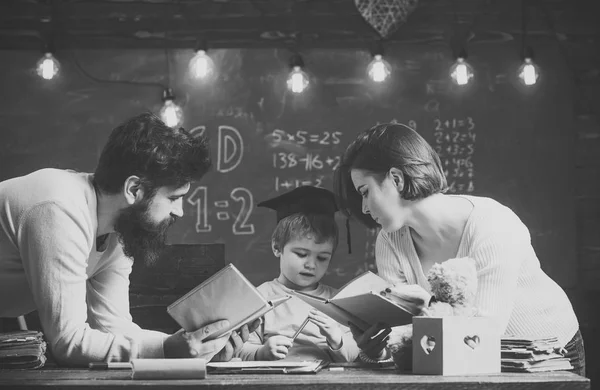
{"points": [[159, 155]]}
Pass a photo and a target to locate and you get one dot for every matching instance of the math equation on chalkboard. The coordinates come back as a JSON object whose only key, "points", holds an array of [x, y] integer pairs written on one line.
{"points": [[240, 199], [454, 142], [308, 161], [302, 137], [303, 158]]}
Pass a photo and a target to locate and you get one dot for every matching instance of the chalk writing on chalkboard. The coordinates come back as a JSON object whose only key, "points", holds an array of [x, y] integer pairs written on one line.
{"points": [[304, 137], [310, 161], [230, 149], [455, 144], [289, 183], [243, 203], [312, 152]]}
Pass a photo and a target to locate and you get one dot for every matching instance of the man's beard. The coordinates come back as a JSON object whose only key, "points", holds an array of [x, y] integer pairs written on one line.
{"points": [[142, 239]]}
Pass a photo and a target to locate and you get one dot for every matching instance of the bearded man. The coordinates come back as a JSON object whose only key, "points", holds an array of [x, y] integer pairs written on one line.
{"points": [[68, 241]]}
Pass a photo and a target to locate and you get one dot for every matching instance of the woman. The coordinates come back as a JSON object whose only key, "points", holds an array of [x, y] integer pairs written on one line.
{"points": [[392, 178]]}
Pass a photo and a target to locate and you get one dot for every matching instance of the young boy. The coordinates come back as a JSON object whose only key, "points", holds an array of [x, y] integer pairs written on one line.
{"points": [[304, 241]]}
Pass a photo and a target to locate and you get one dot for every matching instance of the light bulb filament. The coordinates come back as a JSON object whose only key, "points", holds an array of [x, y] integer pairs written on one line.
{"points": [[47, 67], [201, 65], [171, 113], [528, 74], [461, 72], [378, 70], [462, 76], [298, 80]]}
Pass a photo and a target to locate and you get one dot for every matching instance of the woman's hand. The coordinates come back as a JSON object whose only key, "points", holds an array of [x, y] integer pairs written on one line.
{"points": [[275, 348], [373, 341], [328, 328]]}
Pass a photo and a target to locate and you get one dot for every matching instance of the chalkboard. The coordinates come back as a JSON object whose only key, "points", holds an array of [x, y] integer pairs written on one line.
{"points": [[494, 138]]}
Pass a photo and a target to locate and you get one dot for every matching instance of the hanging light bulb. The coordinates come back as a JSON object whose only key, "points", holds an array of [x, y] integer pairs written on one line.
{"points": [[48, 66], [201, 66], [170, 112], [461, 72], [528, 72], [297, 81], [379, 69]]}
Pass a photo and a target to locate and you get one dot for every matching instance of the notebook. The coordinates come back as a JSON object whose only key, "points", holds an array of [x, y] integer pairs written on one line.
{"points": [[267, 367], [226, 295]]}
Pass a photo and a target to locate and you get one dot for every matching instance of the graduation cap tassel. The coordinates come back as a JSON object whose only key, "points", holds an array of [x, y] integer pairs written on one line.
{"points": [[348, 235]]}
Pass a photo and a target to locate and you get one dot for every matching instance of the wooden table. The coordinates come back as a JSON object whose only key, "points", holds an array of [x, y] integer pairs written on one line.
{"points": [[357, 378]]}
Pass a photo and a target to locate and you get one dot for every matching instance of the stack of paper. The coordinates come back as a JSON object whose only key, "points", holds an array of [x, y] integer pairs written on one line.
{"points": [[22, 349], [520, 354]]}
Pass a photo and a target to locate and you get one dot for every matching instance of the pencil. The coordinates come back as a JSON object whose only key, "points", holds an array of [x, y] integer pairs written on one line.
{"points": [[110, 366], [300, 329]]}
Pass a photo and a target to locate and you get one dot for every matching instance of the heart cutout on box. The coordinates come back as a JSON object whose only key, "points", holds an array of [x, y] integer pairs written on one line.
{"points": [[472, 341], [428, 344]]}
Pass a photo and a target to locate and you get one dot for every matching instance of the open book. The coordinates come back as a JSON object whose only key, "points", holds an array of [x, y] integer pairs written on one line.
{"points": [[363, 302], [226, 295]]}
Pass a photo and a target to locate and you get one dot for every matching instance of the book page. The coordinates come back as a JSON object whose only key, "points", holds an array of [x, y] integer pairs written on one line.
{"points": [[373, 308], [363, 284], [336, 313]]}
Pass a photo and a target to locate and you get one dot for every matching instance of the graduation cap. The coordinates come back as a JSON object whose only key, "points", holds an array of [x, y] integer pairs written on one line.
{"points": [[305, 200]]}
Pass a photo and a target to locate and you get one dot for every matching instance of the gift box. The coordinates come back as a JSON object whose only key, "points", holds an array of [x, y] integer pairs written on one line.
{"points": [[455, 346]]}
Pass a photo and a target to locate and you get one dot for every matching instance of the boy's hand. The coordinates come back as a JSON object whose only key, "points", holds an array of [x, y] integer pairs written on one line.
{"points": [[328, 328], [275, 348]]}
